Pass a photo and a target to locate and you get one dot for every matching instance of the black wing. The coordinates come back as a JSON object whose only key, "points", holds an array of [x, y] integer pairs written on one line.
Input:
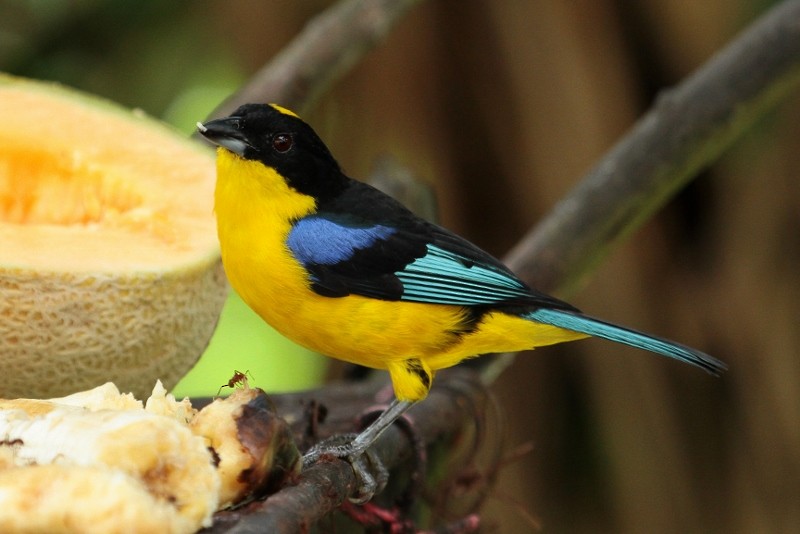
{"points": [[366, 243]]}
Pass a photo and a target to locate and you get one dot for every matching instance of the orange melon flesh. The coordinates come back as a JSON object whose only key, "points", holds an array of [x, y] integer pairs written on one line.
{"points": [[109, 262]]}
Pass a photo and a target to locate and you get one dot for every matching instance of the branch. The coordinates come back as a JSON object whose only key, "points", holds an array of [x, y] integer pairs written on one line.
{"points": [[329, 46], [452, 418], [689, 127]]}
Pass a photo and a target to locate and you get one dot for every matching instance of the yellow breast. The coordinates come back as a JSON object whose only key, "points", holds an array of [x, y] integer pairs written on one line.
{"points": [[254, 208]]}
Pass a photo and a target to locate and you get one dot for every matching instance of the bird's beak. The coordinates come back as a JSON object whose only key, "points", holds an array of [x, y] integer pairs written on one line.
{"points": [[225, 133]]}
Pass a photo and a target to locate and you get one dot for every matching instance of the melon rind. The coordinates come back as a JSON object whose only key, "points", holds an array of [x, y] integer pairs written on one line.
{"points": [[129, 296]]}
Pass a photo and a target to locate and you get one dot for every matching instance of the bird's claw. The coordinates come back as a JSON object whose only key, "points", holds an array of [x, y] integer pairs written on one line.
{"points": [[371, 474]]}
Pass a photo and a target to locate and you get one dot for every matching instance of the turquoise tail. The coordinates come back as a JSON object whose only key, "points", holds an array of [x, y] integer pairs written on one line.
{"points": [[595, 327]]}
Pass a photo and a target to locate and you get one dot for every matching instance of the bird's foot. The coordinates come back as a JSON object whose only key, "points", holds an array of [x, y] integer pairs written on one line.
{"points": [[354, 448], [371, 474]]}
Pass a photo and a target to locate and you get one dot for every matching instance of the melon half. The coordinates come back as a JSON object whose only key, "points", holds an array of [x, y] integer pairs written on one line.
{"points": [[109, 262]]}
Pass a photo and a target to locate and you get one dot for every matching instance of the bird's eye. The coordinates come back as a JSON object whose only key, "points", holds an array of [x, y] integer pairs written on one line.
{"points": [[282, 142]]}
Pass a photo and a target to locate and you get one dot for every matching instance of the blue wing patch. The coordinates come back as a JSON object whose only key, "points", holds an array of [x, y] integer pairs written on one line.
{"points": [[444, 277], [321, 241], [383, 262], [365, 243]]}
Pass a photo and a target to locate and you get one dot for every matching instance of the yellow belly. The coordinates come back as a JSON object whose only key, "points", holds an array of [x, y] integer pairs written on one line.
{"points": [[371, 332], [357, 329]]}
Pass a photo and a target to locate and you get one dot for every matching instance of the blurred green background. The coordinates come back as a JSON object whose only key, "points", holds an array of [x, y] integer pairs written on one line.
{"points": [[502, 105]]}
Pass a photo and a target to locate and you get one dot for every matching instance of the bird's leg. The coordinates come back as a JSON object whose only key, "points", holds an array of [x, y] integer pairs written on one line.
{"points": [[354, 449], [360, 442], [368, 436]]}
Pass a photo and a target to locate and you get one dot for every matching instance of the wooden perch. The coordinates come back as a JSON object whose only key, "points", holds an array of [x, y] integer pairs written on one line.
{"points": [[453, 418]]}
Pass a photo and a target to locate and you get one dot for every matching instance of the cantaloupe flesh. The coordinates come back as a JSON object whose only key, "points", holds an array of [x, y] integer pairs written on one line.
{"points": [[109, 263]]}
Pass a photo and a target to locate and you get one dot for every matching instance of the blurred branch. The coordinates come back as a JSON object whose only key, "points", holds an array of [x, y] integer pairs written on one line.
{"points": [[687, 129], [329, 46], [396, 180]]}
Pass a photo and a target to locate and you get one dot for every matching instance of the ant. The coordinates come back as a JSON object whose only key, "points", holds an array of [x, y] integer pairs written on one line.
{"points": [[238, 379]]}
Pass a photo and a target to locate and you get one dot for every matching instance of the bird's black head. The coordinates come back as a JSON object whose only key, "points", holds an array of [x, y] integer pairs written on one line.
{"points": [[279, 139]]}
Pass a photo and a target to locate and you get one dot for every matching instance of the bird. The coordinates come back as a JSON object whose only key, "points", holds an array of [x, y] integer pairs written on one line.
{"points": [[347, 271]]}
